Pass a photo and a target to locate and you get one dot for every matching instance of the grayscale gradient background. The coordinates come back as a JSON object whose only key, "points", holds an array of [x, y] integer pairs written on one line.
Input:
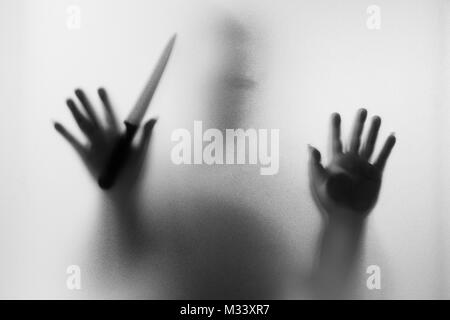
{"points": [[255, 63]]}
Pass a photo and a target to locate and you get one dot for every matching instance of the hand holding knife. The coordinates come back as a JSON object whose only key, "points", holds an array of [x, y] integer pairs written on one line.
{"points": [[121, 150]]}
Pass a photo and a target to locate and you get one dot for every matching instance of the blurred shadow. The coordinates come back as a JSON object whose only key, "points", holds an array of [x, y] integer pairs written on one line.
{"points": [[224, 250], [231, 84], [227, 252]]}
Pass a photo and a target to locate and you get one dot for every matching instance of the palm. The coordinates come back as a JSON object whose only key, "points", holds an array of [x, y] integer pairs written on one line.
{"points": [[350, 183], [102, 137]]}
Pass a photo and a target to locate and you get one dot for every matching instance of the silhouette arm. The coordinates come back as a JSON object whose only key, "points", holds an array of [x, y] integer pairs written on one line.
{"points": [[345, 192]]}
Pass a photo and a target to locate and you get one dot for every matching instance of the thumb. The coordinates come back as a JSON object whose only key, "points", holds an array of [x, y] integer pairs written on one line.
{"points": [[317, 172]]}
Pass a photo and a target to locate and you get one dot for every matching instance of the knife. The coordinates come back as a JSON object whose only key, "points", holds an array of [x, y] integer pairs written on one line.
{"points": [[121, 150]]}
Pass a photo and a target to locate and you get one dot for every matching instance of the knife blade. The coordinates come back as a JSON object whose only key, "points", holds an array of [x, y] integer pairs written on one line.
{"points": [[137, 113]]}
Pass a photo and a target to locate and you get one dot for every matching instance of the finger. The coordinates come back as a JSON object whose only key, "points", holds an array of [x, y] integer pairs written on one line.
{"points": [[336, 144], [111, 118], [355, 138], [316, 170], [84, 124], [367, 150], [385, 152], [88, 107], [70, 138]]}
